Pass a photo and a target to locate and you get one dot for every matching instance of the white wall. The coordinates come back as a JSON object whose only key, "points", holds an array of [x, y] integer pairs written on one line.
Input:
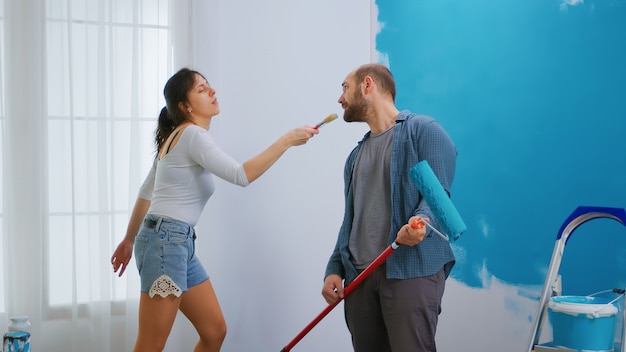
{"points": [[276, 65]]}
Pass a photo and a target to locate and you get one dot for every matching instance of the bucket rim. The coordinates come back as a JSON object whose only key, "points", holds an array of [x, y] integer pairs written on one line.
{"points": [[583, 305]]}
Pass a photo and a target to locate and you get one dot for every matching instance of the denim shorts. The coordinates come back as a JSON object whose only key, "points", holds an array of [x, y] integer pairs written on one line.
{"points": [[165, 256]]}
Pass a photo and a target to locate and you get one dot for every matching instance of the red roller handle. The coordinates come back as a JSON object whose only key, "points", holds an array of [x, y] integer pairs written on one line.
{"points": [[415, 224], [364, 274]]}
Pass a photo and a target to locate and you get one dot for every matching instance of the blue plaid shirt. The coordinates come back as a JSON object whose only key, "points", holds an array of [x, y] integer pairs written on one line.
{"points": [[416, 137]]}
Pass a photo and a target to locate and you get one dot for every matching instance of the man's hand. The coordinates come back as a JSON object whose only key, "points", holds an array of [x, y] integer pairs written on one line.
{"points": [[333, 288], [412, 233]]}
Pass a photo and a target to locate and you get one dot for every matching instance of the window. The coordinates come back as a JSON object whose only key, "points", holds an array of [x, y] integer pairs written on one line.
{"points": [[76, 130], [107, 62]]}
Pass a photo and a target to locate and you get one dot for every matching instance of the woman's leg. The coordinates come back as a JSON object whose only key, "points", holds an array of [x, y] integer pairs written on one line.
{"points": [[156, 317], [200, 306]]}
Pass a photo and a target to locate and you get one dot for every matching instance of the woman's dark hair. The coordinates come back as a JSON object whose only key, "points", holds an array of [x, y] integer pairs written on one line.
{"points": [[171, 116]]}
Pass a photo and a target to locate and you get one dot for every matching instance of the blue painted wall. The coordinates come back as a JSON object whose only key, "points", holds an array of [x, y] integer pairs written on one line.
{"points": [[534, 94]]}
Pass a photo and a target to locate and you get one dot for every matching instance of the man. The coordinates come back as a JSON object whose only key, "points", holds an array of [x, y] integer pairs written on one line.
{"points": [[397, 307]]}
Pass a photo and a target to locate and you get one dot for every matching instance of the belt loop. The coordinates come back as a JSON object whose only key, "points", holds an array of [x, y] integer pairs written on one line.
{"points": [[157, 227]]}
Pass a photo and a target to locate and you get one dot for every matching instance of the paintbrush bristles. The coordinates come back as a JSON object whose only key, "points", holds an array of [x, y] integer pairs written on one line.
{"points": [[329, 118]]}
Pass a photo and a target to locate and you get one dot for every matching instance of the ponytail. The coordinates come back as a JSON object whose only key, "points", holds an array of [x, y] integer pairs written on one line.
{"points": [[165, 126]]}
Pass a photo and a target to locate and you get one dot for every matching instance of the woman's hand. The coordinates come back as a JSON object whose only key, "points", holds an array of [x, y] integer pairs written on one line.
{"points": [[300, 135], [121, 256]]}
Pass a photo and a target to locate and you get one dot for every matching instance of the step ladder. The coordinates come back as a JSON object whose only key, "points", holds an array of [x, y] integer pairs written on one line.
{"points": [[552, 284]]}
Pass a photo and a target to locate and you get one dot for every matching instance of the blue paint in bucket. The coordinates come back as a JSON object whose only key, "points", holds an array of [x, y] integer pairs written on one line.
{"points": [[583, 323]]}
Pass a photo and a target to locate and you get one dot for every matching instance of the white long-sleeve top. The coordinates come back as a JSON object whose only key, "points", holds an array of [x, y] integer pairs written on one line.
{"points": [[180, 184]]}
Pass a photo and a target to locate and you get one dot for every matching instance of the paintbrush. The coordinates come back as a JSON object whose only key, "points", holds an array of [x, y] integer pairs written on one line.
{"points": [[328, 119]]}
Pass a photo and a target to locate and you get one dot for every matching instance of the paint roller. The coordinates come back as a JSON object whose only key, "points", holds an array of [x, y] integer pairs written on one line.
{"points": [[445, 214], [439, 202]]}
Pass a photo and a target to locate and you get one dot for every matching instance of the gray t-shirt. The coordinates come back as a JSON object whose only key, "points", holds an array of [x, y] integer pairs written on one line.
{"points": [[372, 200]]}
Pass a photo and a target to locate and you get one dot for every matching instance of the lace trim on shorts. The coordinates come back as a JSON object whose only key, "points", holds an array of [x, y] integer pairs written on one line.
{"points": [[164, 286]]}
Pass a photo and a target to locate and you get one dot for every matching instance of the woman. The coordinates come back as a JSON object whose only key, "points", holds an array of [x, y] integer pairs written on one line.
{"points": [[161, 226]]}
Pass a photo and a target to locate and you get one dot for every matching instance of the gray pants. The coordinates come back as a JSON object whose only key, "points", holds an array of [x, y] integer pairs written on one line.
{"points": [[395, 315]]}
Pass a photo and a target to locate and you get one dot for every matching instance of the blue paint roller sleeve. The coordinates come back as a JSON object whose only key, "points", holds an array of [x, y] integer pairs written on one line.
{"points": [[437, 199]]}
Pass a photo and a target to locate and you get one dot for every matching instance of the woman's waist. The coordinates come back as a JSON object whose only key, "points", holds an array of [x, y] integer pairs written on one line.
{"points": [[156, 221], [176, 211]]}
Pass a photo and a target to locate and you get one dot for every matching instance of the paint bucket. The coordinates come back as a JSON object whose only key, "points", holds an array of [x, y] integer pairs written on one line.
{"points": [[17, 341], [583, 323]]}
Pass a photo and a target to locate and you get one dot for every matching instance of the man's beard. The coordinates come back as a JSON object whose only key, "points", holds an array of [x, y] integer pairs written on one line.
{"points": [[357, 110]]}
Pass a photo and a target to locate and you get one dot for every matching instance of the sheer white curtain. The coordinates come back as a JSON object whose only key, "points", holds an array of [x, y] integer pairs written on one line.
{"points": [[2, 256], [81, 88]]}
